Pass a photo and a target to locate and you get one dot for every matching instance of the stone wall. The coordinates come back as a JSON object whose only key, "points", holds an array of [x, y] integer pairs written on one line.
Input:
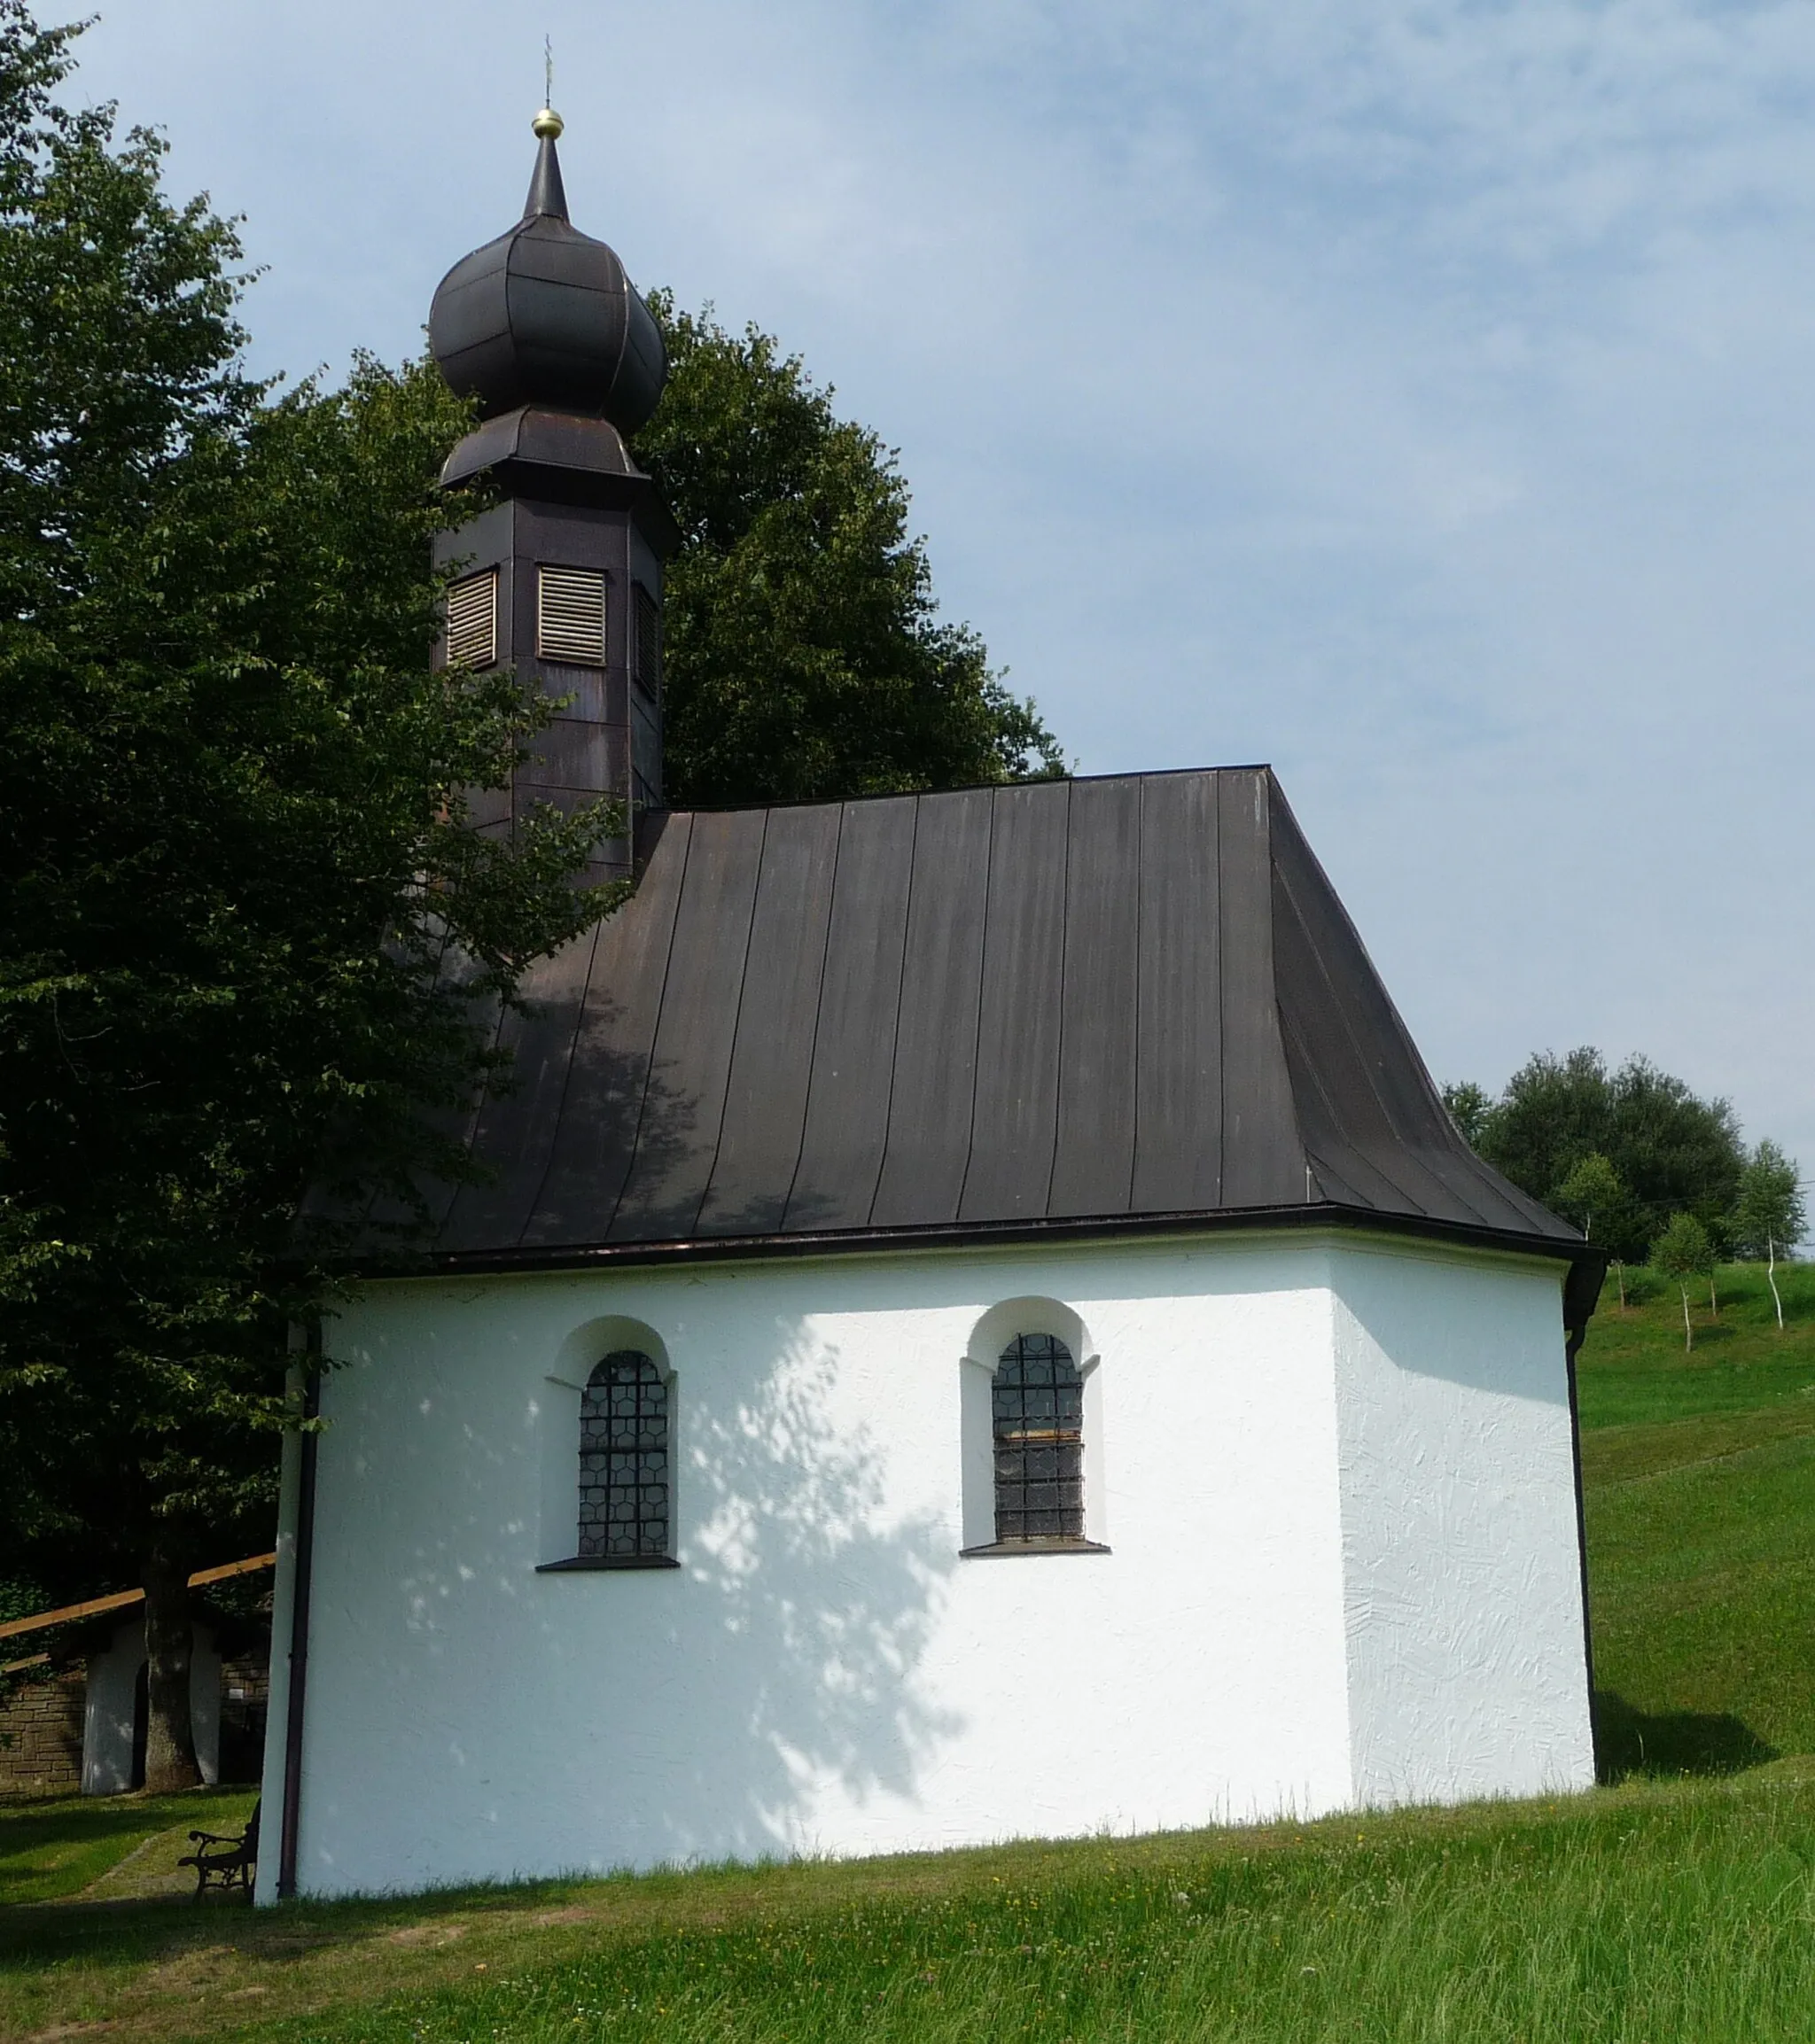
{"points": [[41, 1725], [41, 1735], [246, 1690]]}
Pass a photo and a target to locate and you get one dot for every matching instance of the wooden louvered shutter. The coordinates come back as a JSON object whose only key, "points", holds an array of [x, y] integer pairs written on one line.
{"points": [[571, 615], [473, 620]]}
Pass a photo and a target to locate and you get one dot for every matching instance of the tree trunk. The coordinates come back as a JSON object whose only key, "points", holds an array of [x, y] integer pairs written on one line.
{"points": [[1713, 1303], [1620, 1272], [1688, 1331], [1771, 1279], [170, 1762]]}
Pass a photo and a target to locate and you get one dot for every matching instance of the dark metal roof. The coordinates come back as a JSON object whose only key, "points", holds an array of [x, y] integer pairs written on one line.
{"points": [[546, 315], [1065, 1006]]}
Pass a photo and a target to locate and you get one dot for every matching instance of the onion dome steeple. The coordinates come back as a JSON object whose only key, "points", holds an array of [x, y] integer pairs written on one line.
{"points": [[559, 573], [545, 315]]}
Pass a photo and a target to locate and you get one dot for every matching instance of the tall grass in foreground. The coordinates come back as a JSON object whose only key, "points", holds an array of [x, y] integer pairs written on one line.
{"points": [[1644, 1918]]}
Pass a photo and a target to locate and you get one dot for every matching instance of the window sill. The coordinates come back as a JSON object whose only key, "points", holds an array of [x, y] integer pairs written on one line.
{"points": [[996, 1548], [581, 1563]]}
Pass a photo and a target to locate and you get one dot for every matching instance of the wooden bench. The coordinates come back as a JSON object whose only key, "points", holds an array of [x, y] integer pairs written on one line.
{"points": [[228, 1861]]}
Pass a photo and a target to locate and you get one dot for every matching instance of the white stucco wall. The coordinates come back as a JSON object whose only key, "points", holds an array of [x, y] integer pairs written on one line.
{"points": [[1467, 1665], [110, 1706], [823, 1673]]}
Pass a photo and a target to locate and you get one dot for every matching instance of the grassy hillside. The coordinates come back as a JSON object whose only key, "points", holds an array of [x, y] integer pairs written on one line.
{"points": [[1699, 1479], [1634, 1368]]}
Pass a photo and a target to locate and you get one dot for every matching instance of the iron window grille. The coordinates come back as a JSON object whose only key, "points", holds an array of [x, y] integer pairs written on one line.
{"points": [[473, 620], [1037, 1410], [570, 616], [624, 1488]]}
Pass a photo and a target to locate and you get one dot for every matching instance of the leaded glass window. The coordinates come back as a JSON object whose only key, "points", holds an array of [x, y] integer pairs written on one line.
{"points": [[1036, 1406], [624, 1460]]}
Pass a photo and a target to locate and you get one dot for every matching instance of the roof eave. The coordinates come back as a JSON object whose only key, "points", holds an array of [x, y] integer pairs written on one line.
{"points": [[1587, 1260]]}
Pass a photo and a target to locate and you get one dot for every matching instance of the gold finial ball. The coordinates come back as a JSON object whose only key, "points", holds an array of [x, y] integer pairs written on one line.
{"points": [[547, 125]]}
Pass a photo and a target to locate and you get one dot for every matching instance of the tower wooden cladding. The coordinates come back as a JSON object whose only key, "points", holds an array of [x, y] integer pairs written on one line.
{"points": [[561, 577]]}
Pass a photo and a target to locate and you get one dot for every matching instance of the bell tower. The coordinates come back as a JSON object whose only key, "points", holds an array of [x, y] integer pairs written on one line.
{"points": [[562, 578]]}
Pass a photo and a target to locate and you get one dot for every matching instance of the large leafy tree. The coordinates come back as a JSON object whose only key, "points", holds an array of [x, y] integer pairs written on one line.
{"points": [[1669, 1151], [805, 656], [234, 867]]}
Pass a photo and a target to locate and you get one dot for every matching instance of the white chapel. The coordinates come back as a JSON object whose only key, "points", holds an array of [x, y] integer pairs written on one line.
{"points": [[977, 1324]]}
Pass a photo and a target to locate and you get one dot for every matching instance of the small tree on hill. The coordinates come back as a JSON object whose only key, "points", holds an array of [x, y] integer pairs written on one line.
{"points": [[1683, 1251], [1770, 1215], [1593, 1188]]}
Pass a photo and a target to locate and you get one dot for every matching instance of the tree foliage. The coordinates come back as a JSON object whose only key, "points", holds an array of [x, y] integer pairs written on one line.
{"points": [[1682, 1251], [1469, 1106], [1592, 1190], [1770, 1214], [1669, 1151], [804, 656], [236, 863]]}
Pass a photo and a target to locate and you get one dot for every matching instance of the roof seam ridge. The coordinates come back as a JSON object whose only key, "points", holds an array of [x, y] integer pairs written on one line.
{"points": [[592, 953], [882, 1168], [1135, 1088], [819, 1003], [1052, 1161], [1219, 923], [989, 856], [1288, 1030], [655, 1035], [357, 1232], [475, 1116], [1402, 1143], [1420, 1070], [1274, 795], [705, 1191]]}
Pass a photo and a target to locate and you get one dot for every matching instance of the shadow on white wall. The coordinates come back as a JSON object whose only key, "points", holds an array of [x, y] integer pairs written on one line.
{"points": [[516, 1721], [822, 1599]]}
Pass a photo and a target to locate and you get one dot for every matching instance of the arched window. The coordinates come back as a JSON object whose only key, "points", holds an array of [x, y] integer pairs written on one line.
{"points": [[624, 1488], [1037, 1414]]}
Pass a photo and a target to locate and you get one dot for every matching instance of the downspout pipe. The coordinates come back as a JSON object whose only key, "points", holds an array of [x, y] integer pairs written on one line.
{"points": [[290, 1832]]}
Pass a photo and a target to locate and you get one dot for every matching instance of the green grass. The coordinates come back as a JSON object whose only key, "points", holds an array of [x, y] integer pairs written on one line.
{"points": [[1635, 1370], [1699, 1483], [51, 1850], [1677, 1904], [1681, 1911]]}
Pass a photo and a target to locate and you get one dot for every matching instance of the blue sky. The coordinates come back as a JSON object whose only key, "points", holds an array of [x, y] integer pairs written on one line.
{"points": [[1421, 397]]}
